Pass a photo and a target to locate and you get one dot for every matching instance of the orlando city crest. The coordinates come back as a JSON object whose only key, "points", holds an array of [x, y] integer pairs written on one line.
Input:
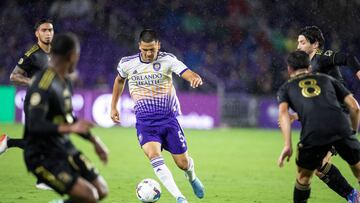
{"points": [[156, 66]]}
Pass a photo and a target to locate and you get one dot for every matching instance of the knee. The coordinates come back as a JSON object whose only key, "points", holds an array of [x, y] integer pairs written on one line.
{"points": [[153, 155], [92, 197], [103, 191], [304, 179], [183, 163]]}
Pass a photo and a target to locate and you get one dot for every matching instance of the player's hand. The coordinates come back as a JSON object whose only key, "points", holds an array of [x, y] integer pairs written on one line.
{"points": [[81, 126], [115, 115], [196, 82], [285, 154], [101, 150], [358, 74], [293, 117]]}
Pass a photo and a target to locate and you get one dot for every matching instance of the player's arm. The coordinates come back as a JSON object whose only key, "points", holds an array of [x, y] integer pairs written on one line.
{"points": [[293, 117], [285, 125], [37, 108], [344, 95], [343, 59], [100, 148], [354, 109], [193, 78], [118, 88], [18, 77]]}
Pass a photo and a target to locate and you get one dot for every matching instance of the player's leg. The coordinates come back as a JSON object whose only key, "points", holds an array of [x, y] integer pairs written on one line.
{"points": [[349, 150], [153, 151], [302, 188], [101, 187], [80, 163], [175, 143], [333, 178], [59, 175], [83, 191], [7, 142], [186, 163], [307, 160]]}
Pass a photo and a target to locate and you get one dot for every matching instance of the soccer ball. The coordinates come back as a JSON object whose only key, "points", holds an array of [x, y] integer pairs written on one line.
{"points": [[148, 190]]}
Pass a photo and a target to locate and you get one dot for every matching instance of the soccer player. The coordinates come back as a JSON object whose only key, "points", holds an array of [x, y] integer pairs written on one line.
{"points": [[311, 40], [314, 96], [34, 60], [49, 153], [149, 76]]}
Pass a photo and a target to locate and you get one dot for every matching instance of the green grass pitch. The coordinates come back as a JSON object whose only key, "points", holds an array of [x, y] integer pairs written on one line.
{"points": [[235, 165]]}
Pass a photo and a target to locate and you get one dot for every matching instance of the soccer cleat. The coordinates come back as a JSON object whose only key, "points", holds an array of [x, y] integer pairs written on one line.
{"points": [[353, 197], [43, 186], [181, 200], [3, 143], [198, 188]]}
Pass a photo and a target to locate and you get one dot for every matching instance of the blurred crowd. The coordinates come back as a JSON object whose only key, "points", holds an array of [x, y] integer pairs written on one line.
{"points": [[238, 44]]}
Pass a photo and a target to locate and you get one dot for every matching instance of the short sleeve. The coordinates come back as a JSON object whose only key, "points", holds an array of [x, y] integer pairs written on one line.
{"points": [[282, 94], [177, 66], [340, 89], [25, 63], [121, 69]]}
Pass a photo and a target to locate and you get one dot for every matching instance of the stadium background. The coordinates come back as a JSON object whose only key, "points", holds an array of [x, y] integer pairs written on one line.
{"points": [[237, 46]]}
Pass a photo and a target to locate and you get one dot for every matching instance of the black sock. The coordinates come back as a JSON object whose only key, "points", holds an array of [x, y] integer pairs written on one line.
{"points": [[301, 193], [20, 143], [335, 180], [11, 142]]}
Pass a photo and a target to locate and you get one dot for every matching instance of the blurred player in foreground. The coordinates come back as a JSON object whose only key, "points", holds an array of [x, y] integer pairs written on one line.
{"points": [[49, 153]]}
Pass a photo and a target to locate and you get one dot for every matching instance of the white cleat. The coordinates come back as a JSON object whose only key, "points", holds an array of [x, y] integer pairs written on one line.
{"points": [[3, 143], [43, 186]]}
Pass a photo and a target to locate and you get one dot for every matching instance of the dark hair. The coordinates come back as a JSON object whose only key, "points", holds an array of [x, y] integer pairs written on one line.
{"points": [[42, 21], [313, 34], [148, 35], [63, 44], [298, 60]]}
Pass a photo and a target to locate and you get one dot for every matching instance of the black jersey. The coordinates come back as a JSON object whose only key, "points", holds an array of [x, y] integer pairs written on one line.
{"points": [[48, 104], [315, 97], [34, 60], [328, 62]]}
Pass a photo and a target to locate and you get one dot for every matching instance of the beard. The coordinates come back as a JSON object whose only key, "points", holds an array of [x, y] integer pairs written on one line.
{"points": [[46, 42]]}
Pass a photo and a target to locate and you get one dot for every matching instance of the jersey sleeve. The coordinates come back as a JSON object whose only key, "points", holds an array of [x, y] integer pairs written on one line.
{"points": [[340, 89], [38, 107], [121, 69], [282, 94], [347, 59], [177, 66], [25, 63], [331, 59]]}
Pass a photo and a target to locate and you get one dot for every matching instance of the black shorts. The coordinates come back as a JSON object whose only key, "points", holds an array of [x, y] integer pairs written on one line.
{"points": [[311, 158], [62, 173]]}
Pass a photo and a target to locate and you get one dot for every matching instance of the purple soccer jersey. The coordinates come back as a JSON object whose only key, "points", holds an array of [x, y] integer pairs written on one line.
{"points": [[170, 135], [151, 87]]}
